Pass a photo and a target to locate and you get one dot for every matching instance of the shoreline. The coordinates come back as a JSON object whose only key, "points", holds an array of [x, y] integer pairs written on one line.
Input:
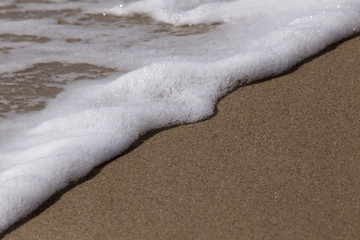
{"points": [[278, 160]]}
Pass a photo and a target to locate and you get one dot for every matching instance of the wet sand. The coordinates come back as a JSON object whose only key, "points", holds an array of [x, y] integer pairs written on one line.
{"points": [[280, 160]]}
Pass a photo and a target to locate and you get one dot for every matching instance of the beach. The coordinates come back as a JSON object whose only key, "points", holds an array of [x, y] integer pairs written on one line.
{"points": [[279, 160]]}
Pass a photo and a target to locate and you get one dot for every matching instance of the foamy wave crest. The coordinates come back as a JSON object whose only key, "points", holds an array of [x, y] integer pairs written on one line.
{"points": [[92, 122]]}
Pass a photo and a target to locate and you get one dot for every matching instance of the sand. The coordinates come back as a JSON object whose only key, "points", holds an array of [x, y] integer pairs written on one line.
{"points": [[279, 160]]}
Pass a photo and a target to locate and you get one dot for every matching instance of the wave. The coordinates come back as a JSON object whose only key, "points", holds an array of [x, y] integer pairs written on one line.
{"points": [[92, 122]]}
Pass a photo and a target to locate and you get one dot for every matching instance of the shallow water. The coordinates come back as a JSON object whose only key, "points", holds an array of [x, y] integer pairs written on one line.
{"points": [[26, 85], [29, 89]]}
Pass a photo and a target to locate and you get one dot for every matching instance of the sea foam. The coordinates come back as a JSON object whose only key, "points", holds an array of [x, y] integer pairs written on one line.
{"points": [[162, 81]]}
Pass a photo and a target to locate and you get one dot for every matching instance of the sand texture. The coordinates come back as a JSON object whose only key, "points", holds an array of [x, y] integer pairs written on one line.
{"points": [[279, 160]]}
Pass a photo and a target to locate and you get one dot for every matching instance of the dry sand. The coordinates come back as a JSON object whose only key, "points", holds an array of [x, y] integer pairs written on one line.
{"points": [[280, 160]]}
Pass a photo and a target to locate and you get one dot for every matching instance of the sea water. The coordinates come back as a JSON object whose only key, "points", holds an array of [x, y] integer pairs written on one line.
{"points": [[80, 81]]}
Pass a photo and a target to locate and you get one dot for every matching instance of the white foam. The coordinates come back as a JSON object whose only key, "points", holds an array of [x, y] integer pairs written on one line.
{"points": [[172, 80]]}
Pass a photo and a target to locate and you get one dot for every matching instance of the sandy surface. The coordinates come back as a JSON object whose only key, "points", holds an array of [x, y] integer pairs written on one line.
{"points": [[280, 160]]}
